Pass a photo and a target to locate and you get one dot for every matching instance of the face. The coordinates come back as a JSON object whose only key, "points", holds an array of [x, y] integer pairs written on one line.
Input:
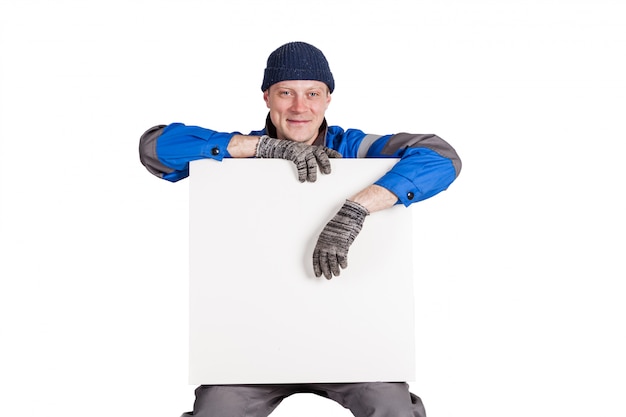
{"points": [[297, 108]]}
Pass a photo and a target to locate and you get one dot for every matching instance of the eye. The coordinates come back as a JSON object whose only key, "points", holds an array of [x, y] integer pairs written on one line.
{"points": [[314, 94]]}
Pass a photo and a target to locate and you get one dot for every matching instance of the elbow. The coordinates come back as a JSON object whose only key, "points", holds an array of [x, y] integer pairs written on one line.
{"points": [[446, 150], [148, 153], [457, 163]]}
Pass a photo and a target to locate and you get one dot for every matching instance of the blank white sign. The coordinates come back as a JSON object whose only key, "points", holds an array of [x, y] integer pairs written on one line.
{"points": [[258, 314]]}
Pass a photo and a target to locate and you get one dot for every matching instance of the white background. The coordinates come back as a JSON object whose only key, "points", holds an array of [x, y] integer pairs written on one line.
{"points": [[520, 263]]}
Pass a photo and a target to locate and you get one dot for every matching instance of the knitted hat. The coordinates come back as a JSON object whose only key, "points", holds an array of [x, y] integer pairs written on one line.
{"points": [[297, 61]]}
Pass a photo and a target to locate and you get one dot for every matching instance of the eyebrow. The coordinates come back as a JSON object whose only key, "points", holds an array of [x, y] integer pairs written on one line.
{"points": [[283, 87]]}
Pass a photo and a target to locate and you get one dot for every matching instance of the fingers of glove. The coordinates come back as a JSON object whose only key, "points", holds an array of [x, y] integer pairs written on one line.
{"points": [[321, 157], [302, 168], [332, 153], [317, 269], [333, 262], [342, 259], [311, 166], [328, 263], [324, 265]]}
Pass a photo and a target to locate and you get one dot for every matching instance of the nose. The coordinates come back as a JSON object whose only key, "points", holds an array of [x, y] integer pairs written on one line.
{"points": [[299, 104]]}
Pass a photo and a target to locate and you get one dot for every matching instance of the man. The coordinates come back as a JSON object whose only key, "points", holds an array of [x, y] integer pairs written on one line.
{"points": [[297, 88]]}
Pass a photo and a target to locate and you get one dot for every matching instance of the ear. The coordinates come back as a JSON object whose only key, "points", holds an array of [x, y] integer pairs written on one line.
{"points": [[266, 97]]}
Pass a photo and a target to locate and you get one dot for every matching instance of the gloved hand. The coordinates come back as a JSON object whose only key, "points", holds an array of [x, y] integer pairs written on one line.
{"points": [[331, 250], [306, 157]]}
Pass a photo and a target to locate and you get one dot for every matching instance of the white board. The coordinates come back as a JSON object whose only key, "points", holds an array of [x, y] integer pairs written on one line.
{"points": [[258, 314]]}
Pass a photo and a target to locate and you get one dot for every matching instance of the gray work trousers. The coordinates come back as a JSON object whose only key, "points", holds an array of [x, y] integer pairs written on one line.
{"points": [[369, 399]]}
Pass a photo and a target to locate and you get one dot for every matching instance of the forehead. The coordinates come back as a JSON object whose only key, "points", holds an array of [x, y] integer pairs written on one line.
{"points": [[301, 85]]}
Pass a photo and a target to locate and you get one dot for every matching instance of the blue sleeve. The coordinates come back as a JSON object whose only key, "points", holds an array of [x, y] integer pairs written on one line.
{"points": [[167, 150], [427, 164], [419, 174]]}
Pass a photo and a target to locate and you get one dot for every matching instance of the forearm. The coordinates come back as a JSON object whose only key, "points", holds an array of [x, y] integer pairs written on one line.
{"points": [[243, 146], [375, 198]]}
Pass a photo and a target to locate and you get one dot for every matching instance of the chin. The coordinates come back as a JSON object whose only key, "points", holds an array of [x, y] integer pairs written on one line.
{"points": [[298, 138]]}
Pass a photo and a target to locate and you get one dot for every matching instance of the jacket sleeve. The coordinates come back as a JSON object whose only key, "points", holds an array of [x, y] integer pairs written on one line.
{"points": [[427, 165], [166, 150]]}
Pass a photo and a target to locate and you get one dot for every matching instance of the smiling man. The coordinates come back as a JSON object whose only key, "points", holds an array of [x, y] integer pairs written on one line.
{"points": [[297, 87], [297, 108]]}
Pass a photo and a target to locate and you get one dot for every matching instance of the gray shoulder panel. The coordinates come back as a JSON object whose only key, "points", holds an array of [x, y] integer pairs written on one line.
{"points": [[365, 145], [147, 151], [429, 141]]}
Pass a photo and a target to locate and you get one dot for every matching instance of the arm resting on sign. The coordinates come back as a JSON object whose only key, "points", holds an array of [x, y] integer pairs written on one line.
{"points": [[375, 198], [166, 151], [243, 146]]}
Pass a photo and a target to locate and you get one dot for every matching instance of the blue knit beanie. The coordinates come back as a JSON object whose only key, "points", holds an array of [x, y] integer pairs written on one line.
{"points": [[297, 61]]}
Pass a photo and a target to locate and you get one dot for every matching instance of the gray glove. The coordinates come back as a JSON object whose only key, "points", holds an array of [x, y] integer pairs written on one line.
{"points": [[306, 157], [331, 250]]}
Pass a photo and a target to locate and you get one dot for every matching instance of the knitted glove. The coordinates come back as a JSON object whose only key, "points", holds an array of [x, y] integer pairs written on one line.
{"points": [[306, 157], [331, 250]]}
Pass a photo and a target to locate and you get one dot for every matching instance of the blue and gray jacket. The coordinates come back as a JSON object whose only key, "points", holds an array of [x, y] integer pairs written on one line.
{"points": [[427, 164]]}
